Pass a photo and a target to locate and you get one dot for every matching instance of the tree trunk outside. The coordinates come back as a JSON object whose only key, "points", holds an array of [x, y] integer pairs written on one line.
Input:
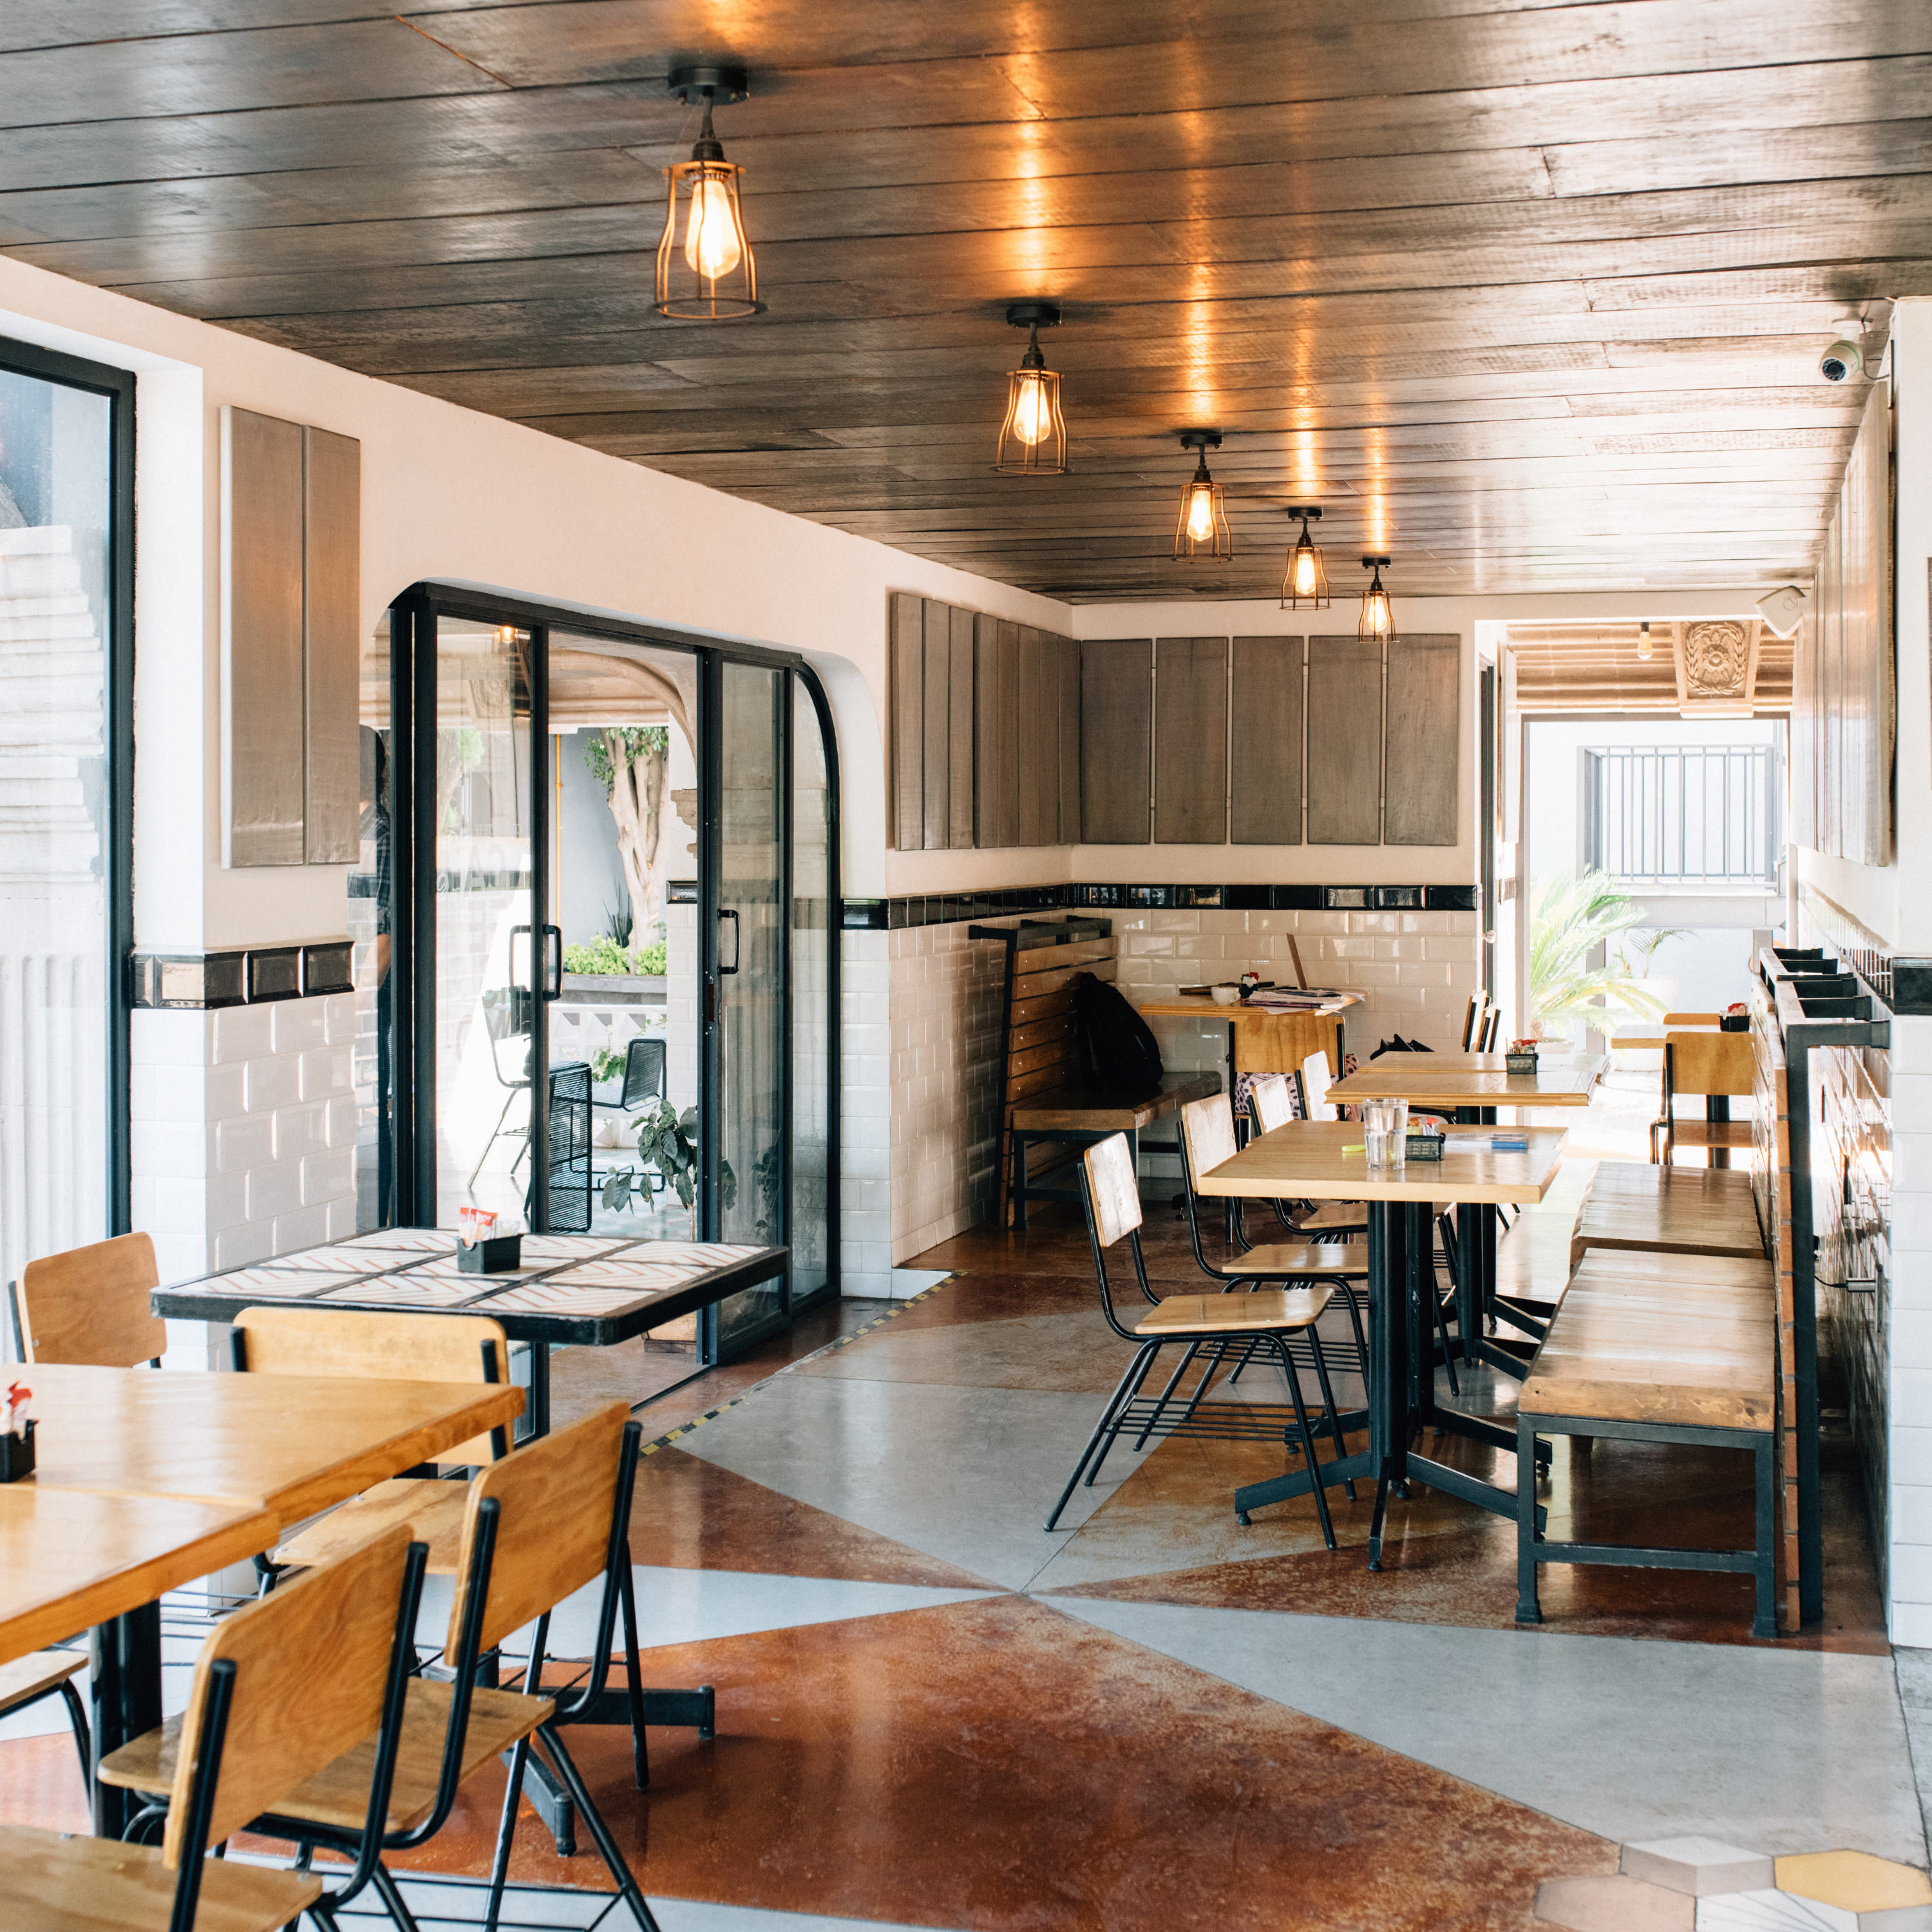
{"points": [[637, 806]]}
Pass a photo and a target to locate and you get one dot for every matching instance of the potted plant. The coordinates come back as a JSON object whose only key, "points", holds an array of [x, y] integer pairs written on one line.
{"points": [[1570, 917], [666, 1140]]}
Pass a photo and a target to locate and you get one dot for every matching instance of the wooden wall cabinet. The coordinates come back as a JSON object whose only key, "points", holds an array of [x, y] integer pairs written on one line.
{"points": [[1116, 740], [1190, 755], [1422, 740], [1345, 741], [1265, 741]]}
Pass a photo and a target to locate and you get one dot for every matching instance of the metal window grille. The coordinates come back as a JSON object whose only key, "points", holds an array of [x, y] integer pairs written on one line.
{"points": [[1694, 814]]}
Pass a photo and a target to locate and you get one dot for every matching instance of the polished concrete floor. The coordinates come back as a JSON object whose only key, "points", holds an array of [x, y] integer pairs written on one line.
{"points": [[932, 1712]]}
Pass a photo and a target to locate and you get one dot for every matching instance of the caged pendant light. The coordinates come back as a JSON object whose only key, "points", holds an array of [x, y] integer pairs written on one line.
{"points": [[1304, 584], [1033, 437], [1378, 617], [706, 273], [1201, 530]]}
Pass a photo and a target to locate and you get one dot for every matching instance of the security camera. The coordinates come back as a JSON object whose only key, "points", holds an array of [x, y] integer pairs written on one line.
{"points": [[1845, 358], [1783, 611]]}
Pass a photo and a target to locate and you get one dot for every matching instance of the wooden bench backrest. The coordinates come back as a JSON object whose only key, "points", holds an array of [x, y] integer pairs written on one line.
{"points": [[311, 1665], [555, 1497], [400, 1347], [1270, 1102], [1710, 1062], [1112, 1189], [90, 1305]]}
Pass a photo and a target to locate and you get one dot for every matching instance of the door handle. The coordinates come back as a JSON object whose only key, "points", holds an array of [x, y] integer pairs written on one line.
{"points": [[553, 962], [724, 914]]}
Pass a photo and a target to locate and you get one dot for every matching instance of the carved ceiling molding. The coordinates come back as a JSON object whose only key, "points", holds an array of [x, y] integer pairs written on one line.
{"points": [[1716, 666]]}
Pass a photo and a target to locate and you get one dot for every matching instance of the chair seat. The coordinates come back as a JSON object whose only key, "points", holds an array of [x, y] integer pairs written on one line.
{"points": [[433, 1510], [56, 1883], [27, 1678], [1335, 1217], [1333, 1258], [1268, 1311], [338, 1796]]}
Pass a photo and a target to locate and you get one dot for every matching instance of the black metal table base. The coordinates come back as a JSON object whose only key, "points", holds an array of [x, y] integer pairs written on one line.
{"points": [[692, 1710]]}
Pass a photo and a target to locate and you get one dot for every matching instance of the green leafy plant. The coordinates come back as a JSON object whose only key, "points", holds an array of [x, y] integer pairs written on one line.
{"points": [[604, 955], [667, 1140], [1569, 918]]}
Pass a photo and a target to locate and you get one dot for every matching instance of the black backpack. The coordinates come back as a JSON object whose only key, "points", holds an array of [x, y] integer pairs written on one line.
{"points": [[1113, 1049]]}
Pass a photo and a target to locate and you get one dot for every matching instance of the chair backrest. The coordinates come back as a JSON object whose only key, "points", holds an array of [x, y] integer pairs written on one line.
{"points": [[1206, 1135], [1314, 1080], [643, 1071], [1472, 1022], [1271, 1101], [1693, 1019], [555, 1501], [1494, 1027], [311, 1673], [408, 1348], [1710, 1062], [1113, 1189], [90, 1305]]}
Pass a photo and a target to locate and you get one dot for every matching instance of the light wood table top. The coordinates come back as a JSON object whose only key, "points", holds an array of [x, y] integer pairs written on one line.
{"points": [[1304, 1161], [70, 1558], [1197, 1007], [292, 1444], [1473, 1080]]}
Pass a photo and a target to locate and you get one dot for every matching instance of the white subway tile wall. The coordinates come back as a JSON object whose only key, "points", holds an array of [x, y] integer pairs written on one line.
{"points": [[1908, 1310], [921, 1076], [244, 1131]]}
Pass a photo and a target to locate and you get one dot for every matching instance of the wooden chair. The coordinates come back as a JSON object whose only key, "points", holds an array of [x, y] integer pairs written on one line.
{"points": [[90, 1306], [1268, 1317], [1271, 1102], [281, 1689], [1473, 1023], [1720, 1066], [537, 1526], [392, 1348]]}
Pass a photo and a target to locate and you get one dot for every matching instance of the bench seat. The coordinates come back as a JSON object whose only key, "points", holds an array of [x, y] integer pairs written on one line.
{"points": [[1076, 1117], [1662, 1348], [1682, 1211]]}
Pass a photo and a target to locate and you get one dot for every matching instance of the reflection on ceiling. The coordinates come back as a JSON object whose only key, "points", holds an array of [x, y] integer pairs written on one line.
{"points": [[1527, 298]]}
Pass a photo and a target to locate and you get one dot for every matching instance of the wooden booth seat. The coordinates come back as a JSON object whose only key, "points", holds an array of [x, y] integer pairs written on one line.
{"points": [[1047, 1115], [1657, 1347], [1678, 1210]]}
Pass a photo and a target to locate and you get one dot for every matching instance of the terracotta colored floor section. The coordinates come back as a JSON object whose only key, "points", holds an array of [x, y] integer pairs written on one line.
{"points": [[998, 1765], [689, 1514], [40, 1784]]}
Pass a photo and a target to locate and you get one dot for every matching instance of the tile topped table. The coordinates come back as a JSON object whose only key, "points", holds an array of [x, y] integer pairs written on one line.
{"points": [[592, 1291], [1305, 1160]]}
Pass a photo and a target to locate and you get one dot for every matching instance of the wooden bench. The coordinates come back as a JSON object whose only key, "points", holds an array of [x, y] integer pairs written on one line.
{"points": [[1710, 1211], [1657, 1347], [1046, 1117]]}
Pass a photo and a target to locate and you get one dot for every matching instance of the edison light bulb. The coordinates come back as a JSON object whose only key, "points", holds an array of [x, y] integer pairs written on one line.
{"points": [[1031, 416], [1643, 644], [710, 231], [1200, 512], [1304, 573]]}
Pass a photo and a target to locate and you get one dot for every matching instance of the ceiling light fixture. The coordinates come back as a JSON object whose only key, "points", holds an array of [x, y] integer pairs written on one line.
{"points": [[1202, 528], [1378, 617], [1644, 646], [1305, 581], [1032, 438], [708, 273]]}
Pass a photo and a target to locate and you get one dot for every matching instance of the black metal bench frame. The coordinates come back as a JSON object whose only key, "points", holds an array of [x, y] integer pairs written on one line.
{"points": [[1759, 1563]]}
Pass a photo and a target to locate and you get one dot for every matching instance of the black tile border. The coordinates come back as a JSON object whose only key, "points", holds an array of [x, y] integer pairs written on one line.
{"points": [[916, 909], [241, 976]]}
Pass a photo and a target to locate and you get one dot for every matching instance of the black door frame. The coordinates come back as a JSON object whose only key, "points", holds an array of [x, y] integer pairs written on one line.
{"points": [[413, 697]]}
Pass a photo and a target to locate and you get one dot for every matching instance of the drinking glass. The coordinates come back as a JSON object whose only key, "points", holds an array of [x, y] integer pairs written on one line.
{"points": [[1384, 1131]]}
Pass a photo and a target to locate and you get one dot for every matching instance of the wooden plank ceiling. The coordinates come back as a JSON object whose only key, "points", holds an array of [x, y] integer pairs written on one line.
{"points": [[1528, 297], [1596, 667]]}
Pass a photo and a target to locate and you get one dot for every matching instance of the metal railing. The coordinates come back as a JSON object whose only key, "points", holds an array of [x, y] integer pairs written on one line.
{"points": [[1694, 814]]}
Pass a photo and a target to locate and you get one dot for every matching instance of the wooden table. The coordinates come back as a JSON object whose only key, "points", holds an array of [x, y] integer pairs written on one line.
{"points": [[71, 1560], [592, 1291], [1305, 1160], [265, 1449], [1323, 1027], [1472, 1086]]}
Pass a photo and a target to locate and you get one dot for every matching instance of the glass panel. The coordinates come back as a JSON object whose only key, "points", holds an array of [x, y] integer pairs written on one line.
{"points": [[55, 866], [485, 963], [813, 927], [623, 828], [370, 926], [750, 936]]}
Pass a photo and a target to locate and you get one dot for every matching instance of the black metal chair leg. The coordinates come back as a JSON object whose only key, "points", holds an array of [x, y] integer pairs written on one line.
{"points": [[1114, 1435], [606, 1846], [1193, 1348], [1307, 1444], [1334, 1413], [392, 1898], [1136, 1367], [83, 1739], [506, 1830], [640, 1759]]}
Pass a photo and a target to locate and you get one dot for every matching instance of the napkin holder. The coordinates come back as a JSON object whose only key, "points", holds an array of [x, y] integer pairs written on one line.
{"points": [[496, 1254], [1734, 1022], [1422, 1146], [1519, 1063], [16, 1454]]}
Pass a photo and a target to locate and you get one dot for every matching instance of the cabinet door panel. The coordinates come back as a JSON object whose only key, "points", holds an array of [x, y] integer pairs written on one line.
{"points": [[1116, 740], [936, 802], [959, 728], [1264, 791], [908, 705], [1345, 741], [1424, 740], [1190, 743]]}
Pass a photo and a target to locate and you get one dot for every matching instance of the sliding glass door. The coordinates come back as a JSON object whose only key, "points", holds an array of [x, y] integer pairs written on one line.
{"points": [[612, 901]]}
